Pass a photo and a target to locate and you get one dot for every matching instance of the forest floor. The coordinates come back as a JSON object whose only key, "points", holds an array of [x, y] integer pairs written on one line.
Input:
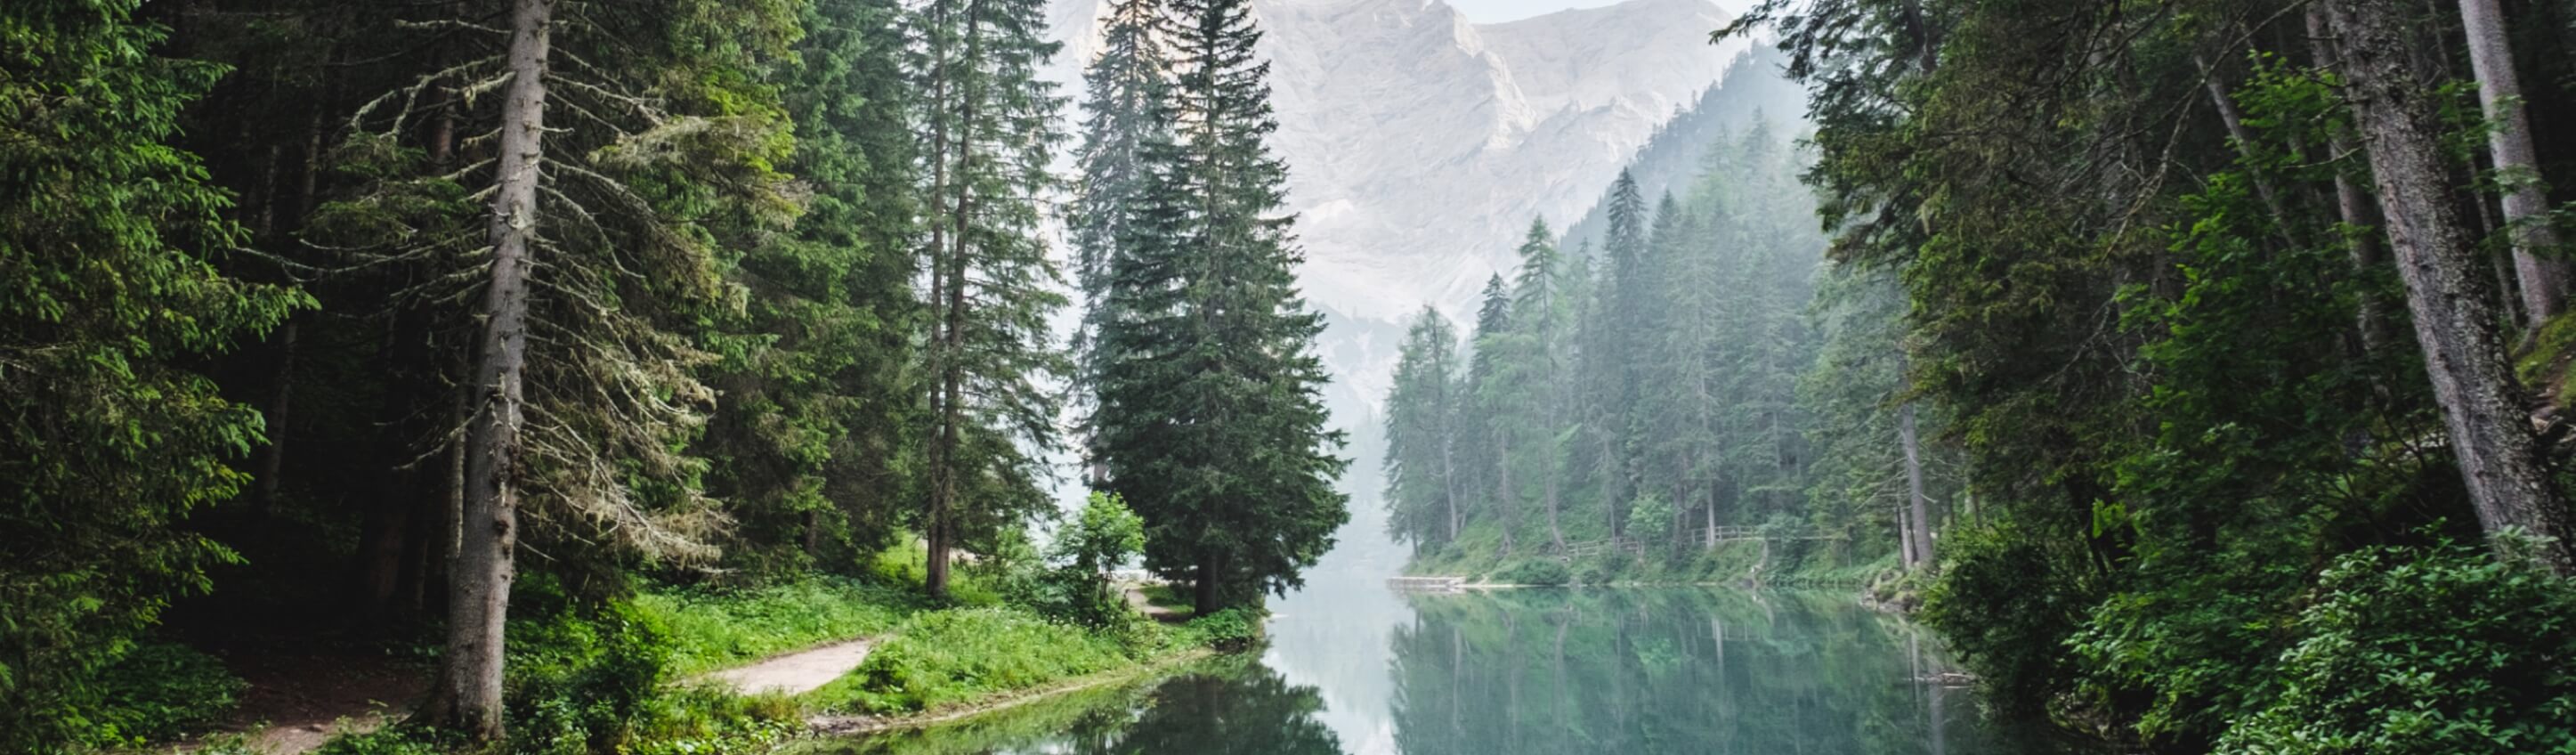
{"points": [[299, 699]]}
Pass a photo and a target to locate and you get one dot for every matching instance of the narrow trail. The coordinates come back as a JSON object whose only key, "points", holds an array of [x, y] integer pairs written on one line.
{"points": [[796, 673]]}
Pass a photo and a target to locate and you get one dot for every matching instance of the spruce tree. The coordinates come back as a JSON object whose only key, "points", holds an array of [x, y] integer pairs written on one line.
{"points": [[813, 431], [990, 126], [1127, 124], [1211, 421], [1422, 413]]}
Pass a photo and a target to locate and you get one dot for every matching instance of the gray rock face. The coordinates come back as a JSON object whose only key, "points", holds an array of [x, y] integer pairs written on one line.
{"points": [[1419, 144]]}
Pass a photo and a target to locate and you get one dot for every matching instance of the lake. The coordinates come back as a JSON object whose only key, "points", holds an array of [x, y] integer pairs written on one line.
{"points": [[1355, 668]]}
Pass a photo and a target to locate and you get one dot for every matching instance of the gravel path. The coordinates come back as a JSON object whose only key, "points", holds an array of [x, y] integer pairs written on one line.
{"points": [[798, 672]]}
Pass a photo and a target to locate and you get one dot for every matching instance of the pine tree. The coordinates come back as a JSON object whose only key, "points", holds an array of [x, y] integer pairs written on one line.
{"points": [[1211, 423], [1422, 414], [992, 286], [1127, 107], [108, 291], [596, 228], [813, 432]]}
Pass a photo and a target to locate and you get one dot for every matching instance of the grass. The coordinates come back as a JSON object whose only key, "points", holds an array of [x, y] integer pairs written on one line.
{"points": [[713, 629], [959, 655]]}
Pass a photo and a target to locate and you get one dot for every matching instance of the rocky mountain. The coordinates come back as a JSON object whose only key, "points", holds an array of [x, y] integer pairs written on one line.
{"points": [[1420, 144]]}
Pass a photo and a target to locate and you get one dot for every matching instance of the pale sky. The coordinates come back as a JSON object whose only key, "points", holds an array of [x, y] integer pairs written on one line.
{"points": [[1490, 11]]}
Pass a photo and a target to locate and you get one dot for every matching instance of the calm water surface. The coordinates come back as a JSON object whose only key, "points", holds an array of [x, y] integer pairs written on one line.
{"points": [[1353, 668]]}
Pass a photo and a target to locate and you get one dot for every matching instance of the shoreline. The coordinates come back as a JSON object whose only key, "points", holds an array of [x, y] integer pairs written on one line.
{"points": [[851, 725]]}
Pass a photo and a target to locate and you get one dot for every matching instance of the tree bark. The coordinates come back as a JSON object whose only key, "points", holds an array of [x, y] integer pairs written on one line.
{"points": [[2526, 205], [1920, 534], [467, 697], [2359, 214], [2455, 321]]}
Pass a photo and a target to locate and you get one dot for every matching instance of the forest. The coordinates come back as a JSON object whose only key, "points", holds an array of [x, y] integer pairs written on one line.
{"points": [[2197, 369], [543, 354]]}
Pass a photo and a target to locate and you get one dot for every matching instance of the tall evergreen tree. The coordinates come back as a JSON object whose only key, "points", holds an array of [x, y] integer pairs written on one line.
{"points": [[1211, 422], [1422, 443], [817, 379], [990, 126]]}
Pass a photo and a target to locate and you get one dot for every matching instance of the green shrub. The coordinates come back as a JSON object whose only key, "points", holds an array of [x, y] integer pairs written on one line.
{"points": [[579, 679], [951, 656], [1534, 572], [1229, 630], [2426, 650], [2008, 613], [388, 741], [161, 690]]}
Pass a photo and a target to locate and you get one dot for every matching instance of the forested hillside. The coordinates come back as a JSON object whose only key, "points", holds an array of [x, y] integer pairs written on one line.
{"points": [[2209, 357], [507, 339]]}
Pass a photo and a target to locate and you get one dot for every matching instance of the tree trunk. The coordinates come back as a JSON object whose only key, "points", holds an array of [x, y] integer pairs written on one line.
{"points": [[2526, 204], [2454, 308], [1503, 488], [2234, 120], [1917, 503], [1203, 594], [467, 697], [2360, 215]]}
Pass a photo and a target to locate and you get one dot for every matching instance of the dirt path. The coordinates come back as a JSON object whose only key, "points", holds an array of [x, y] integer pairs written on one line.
{"points": [[798, 672], [298, 700]]}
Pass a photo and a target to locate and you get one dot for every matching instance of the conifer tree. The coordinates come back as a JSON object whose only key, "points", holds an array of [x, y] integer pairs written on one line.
{"points": [[818, 392], [991, 130], [1422, 413], [1211, 423]]}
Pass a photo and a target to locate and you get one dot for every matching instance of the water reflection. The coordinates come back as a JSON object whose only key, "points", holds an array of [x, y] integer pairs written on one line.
{"points": [[1527, 671], [1228, 705], [1667, 671]]}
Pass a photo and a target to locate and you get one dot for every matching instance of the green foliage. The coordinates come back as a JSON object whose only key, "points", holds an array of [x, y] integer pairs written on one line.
{"points": [[1536, 571], [1229, 630], [388, 741], [110, 297], [161, 690], [953, 656], [2445, 649], [1104, 535], [578, 679], [2004, 608]]}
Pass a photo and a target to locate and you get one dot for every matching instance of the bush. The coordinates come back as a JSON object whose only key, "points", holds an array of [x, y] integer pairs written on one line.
{"points": [[1229, 630], [2009, 613], [161, 690], [1534, 572], [2426, 650], [579, 679], [956, 655]]}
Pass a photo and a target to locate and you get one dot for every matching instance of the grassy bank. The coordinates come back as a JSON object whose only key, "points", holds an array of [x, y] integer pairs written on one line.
{"points": [[625, 674]]}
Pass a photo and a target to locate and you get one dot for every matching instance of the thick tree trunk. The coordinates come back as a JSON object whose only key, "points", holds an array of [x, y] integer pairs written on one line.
{"points": [[467, 697], [2455, 321], [2526, 205], [1449, 483], [1918, 504]]}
